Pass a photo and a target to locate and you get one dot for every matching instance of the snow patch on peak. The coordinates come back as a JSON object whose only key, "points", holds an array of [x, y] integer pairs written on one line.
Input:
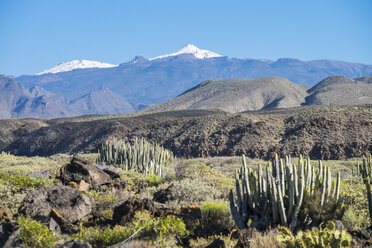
{"points": [[76, 64], [190, 48]]}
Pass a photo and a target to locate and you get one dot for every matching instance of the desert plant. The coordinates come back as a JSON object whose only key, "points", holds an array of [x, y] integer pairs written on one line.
{"points": [[216, 218], [315, 238], [142, 156], [160, 231], [35, 234], [365, 170], [276, 196]]}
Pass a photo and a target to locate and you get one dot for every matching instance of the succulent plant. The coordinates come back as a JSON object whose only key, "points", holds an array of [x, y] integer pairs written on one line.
{"points": [[365, 170], [275, 195], [141, 156]]}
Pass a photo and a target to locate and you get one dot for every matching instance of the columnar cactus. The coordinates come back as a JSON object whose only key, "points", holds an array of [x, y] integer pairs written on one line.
{"points": [[365, 170], [142, 156], [276, 196]]}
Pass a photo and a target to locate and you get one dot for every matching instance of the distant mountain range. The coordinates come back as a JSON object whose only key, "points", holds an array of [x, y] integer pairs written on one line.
{"points": [[238, 95], [16, 101], [230, 95], [143, 82]]}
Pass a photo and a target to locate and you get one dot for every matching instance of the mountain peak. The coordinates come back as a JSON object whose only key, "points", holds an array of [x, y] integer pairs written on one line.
{"points": [[76, 64], [190, 48]]}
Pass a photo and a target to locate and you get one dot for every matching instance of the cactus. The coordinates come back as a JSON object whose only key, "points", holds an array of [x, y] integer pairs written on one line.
{"points": [[365, 170], [141, 156], [277, 197]]}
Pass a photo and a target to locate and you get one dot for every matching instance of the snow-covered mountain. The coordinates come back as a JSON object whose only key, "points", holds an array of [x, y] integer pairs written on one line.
{"points": [[143, 82], [76, 64], [190, 48]]}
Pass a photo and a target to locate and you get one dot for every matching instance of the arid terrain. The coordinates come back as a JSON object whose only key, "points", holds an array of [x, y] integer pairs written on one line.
{"points": [[322, 132]]}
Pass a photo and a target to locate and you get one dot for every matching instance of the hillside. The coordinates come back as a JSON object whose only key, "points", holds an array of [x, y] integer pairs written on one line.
{"points": [[341, 90], [238, 95], [16, 101], [333, 132]]}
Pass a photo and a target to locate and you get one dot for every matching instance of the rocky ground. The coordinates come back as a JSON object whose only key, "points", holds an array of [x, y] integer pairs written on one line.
{"points": [[324, 132], [65, 201]]}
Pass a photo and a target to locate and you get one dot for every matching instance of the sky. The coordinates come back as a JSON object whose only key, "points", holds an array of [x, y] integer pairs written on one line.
{"points": [[38, 34]]}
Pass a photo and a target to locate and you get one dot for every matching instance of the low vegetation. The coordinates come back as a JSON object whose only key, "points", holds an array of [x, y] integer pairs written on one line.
{"points": [[194, 208]]}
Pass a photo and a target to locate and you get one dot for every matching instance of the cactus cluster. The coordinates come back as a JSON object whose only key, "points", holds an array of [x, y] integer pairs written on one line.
{"points": [[275, 195], [365, 170], [141, 156]]}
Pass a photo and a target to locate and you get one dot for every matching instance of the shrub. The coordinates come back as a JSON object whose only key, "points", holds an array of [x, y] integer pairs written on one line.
{"points": [[103, 237], [193, 192], [354, 198], [35, 234], [318, 237], [204, 242], [21, 183], [160, 231], [17, 165], [216, 218], [154, 180]]}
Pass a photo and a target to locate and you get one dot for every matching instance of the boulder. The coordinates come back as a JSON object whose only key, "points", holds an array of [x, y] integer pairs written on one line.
{"points": [[112, 171], [124, 211], [9, 232], [163, 195], [65, 226], [217, 243], [75, 244], [5, 213], [68, 202], [80, 169], [50, 223]]}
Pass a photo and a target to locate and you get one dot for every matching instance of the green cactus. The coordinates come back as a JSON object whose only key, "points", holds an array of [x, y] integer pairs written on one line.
{"points": [[276, 197], [365, 170], [318, 237], [141, 156]]}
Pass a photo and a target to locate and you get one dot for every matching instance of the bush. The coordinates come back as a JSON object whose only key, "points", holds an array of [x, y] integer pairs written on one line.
{"points": [[160, 231], [216, 218], [204, 242], [35, 234], [193, 192], [318, 237], [22, 183], [353, 196]]}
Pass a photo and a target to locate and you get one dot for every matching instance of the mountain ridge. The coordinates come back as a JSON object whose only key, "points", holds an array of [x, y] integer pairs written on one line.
{"points": [[146, 82], [16, 101]]}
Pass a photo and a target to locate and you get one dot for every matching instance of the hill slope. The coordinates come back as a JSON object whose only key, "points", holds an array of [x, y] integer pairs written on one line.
{"points": [[237, 95], [18, 102], [341, 90], [321, 132]]}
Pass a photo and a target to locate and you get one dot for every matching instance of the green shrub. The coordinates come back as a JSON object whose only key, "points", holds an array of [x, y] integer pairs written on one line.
{"points": [[35, 234], [160, 231], [204, 242], [21, 183], [318, 237], [17, 165], [353, 196], [154, 180], [216, 218], [103, 237]]}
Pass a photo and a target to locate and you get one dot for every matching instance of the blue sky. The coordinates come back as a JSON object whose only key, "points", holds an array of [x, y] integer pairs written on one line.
{"points": [[36, 35]]}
